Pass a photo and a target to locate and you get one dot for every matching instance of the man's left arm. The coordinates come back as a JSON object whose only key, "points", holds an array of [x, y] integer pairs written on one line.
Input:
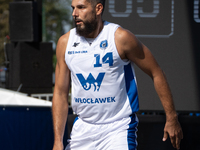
{"points": [[129, 47]]}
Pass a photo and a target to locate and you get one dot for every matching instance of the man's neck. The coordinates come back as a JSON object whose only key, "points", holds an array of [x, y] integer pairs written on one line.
{"points": [[97, 31]]}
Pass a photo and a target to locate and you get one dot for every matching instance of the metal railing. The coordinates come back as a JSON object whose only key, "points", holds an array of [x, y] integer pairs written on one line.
{"points": [[44, 96]]}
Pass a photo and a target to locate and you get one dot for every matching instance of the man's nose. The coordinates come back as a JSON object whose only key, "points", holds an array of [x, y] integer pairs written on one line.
{"points": [[75, 13]]}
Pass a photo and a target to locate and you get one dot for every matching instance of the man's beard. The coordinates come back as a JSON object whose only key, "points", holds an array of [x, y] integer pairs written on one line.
{"points": [[89, 27]]}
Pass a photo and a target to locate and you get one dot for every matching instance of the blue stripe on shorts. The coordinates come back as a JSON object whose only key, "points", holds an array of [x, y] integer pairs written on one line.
{"points": [[132, 136]]}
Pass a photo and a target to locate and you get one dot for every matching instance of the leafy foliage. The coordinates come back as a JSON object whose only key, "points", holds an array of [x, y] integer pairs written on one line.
{"points": [[4, 26], [57, 18]]}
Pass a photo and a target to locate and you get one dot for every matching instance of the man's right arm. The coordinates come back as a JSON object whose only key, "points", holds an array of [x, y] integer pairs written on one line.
{"points": [[60, 95]]}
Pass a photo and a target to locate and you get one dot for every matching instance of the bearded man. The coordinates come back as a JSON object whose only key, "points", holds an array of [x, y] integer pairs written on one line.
{"points": [[98, 57]]}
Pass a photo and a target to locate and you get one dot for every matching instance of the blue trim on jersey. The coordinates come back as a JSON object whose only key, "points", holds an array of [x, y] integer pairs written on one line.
{"points": [[131, 87], [75, 120], [132, 136]]}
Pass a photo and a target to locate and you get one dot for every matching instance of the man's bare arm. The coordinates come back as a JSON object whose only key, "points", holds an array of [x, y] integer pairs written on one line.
{"points": [[129, 47], [60, 95]]}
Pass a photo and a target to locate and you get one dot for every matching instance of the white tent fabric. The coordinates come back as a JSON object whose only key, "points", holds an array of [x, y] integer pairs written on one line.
{"points": [[12, 98]]}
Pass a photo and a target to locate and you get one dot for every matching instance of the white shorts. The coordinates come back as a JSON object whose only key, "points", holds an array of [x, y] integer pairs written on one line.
{"points": [[119, 135]]}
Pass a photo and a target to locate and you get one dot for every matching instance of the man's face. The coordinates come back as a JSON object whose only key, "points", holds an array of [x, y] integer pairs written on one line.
{"points": [[84, 16]]}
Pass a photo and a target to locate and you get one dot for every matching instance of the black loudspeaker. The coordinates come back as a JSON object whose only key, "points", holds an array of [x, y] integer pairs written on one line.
{"points": [[24, 22], [30, 66]]}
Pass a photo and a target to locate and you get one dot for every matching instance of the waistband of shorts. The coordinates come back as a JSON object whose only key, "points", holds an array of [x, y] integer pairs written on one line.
{"points": [[89, 123]]}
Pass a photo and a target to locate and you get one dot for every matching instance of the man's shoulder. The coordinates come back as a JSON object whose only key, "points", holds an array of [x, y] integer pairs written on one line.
{"points": [[125, 40], [62, 43], [123, 34], [64, 38]]}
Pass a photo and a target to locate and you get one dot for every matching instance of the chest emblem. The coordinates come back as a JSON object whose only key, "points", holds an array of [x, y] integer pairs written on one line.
{"points": [[104, 44]]}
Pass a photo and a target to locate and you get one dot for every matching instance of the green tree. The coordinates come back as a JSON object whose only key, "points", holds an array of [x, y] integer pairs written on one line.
{"points": [[4, 26], [56, 17]]}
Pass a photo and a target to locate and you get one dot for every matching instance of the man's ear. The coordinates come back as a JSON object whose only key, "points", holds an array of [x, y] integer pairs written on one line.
{"points": [[99, 9]]}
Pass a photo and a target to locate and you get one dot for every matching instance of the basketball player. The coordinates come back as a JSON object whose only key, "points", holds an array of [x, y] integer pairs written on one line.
{"points": [[97, 57]]}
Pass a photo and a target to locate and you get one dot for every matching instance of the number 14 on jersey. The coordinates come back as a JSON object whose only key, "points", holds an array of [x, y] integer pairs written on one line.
{"points": [[106, 59]]}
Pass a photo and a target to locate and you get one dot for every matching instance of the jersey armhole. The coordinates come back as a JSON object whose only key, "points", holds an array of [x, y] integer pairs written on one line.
{"points": [[124, 61], [69, 43]]}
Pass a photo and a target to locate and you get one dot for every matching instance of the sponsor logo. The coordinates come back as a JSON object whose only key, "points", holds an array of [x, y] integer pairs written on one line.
{"points": [[76, 44], [95, 100], [77, 52], [87, 83]]}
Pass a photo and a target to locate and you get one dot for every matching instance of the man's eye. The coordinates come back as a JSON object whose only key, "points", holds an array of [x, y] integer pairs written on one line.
{"points": [[81, 7]]}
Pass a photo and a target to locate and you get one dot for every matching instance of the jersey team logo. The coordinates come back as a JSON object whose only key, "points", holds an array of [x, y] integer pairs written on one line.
{"points": [[86, 83], [100, 61], [104, 44]]}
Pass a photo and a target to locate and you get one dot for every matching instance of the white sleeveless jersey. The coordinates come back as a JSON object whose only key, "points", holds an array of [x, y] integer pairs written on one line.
{"points": [[103, 85]]}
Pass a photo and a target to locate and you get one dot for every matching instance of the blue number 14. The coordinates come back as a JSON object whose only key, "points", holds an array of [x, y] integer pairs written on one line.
{"points": [[107, 58]]}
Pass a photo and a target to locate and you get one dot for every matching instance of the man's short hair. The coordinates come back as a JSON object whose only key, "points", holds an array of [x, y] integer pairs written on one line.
{"points": [[95, 2]]}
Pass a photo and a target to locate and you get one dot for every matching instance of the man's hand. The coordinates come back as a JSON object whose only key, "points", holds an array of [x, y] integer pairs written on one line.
{"points": [[173, 129]]}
